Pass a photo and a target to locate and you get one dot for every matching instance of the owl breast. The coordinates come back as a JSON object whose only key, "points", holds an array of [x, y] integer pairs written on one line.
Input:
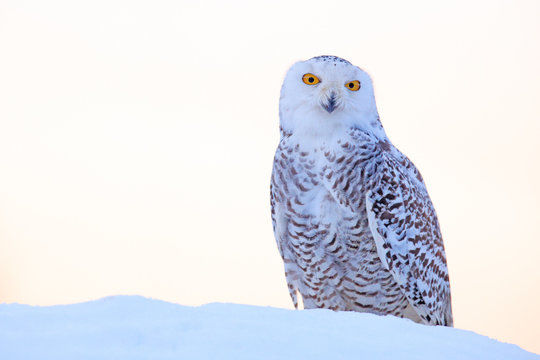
{"points": [[321, 226]]}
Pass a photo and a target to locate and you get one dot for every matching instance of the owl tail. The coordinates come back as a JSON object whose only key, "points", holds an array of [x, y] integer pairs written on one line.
{"points": [[294, 295]]}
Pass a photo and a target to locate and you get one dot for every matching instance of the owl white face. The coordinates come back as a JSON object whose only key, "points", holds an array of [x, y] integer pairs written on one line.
{"points": [[325, 94]]}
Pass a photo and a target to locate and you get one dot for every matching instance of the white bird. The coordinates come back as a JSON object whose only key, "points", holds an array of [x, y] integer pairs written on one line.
{"points": [[352, 218]]}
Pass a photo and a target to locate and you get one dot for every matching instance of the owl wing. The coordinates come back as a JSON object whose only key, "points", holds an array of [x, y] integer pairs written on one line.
{"points": [[404, 225]]}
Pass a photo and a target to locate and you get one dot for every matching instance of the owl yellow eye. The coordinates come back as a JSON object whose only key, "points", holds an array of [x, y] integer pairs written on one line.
{"points": [[310, 79], [353, 85]]}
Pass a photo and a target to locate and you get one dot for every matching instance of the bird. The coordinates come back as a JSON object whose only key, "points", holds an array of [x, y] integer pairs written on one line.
{"points": [[353, 221]]}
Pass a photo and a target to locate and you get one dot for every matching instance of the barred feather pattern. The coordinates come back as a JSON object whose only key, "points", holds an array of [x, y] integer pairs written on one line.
{"points": [[356, 229]]}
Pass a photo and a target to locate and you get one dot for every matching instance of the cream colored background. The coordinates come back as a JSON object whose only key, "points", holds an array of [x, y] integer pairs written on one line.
{"points": [[136, 144]]}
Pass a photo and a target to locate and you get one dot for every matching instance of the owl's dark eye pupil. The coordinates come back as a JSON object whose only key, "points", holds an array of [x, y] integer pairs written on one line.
{"points": [[311, 79], [351, 85]]}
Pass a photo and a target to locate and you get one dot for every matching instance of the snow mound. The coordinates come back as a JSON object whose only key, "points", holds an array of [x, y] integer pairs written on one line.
{"points": [[133, 327]]}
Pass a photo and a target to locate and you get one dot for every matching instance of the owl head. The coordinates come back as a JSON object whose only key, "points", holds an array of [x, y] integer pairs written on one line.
{"points": [[325, 95]]}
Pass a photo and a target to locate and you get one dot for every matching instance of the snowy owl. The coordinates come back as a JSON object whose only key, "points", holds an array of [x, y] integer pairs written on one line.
{"points": [[352, 218]]}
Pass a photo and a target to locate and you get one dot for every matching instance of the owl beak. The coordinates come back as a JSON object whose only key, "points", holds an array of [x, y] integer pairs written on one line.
{"points": [[331, 105]]}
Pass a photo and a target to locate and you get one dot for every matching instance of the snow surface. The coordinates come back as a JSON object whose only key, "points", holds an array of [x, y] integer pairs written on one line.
{"points": [[133, 327]]}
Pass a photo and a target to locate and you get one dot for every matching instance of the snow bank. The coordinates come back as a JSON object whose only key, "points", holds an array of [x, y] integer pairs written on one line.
{"points": [[133, 327]]}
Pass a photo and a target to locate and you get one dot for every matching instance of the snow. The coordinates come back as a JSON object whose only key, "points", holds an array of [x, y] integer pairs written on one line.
{"points": [[134, 327]]}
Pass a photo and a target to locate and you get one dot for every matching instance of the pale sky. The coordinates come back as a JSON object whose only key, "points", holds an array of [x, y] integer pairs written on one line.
{"points": [[137, 139]]}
